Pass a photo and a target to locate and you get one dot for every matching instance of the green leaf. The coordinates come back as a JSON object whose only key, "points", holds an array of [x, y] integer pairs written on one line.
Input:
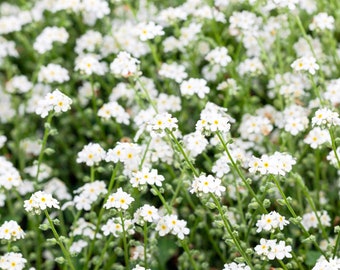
{"points": [[167, 248], [311, 257]]}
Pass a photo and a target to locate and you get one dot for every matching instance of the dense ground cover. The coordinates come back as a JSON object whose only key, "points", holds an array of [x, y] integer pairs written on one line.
{"points": [[169, 134]]}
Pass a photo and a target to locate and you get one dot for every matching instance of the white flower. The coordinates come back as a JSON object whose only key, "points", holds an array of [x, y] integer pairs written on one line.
{"points": [[78, 246], [207, 184], [309, 220], [53, 73], [44, 41], [89, 64], [119, 200], [55, 101], [322, 21], [12, 261], [213, 118], [3, 140], [125, 65], [219, 56], [160, 123], [278, 163], [171, 224], [18, 84], [271, 221], [305, 63], [146, 213], [147, 31], [40, 201], [251, 66], [146, 176], [173, 71], [114, 226], [330, 264], [91, 154], [325, 117], [114, 110], [88, 194], [236, 266], [271, 249], [195, 86], [316, 137], [195, 143], [11, 231]]}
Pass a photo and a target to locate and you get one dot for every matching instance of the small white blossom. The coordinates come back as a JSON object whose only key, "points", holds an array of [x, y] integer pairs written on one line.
{"points": [[125, 65], [119, 200], [40, 201], [305, 63]]}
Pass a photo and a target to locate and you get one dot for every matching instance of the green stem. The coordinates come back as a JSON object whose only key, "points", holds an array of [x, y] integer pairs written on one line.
{"points": [[144, 154], [187, 250], [145, 232], [291, 210], [43, 146], [311, 203], [229, 229], [60, 243], [337, 242], [100, 215], [180, 148], [282, 264], [103, 251], [178, 188], [92, 172], [146, 92], [234, 165], [154, 54], [125, 244], [334, 148], [297, 260], [160, 196], [317, 174]]}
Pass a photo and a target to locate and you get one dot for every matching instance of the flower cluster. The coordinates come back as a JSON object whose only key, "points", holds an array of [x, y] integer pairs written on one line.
{"points": [[278, 164], [114, 226], [11, 231], [194, 86], [44, 41], [114, 110], [207, 184], [55, 101], [146, 213], [271, 221], [119, 200], [213, 118], [236, 266], [323, 263], [91, 154], [9, 175], [127, 153], [40, 201], [271, 249], [88, 194], [171, 224], [310, 220], [146, 176], [325, 117], [306, 63], [160, 123], [53, 73], [12, 261], [125, 65]]}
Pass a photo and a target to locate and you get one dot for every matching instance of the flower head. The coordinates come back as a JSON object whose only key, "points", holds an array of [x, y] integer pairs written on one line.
{"points": [[40, 201], [119, 200], [11, 231]]}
